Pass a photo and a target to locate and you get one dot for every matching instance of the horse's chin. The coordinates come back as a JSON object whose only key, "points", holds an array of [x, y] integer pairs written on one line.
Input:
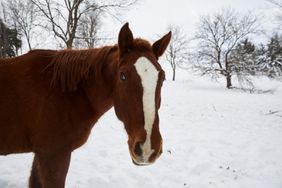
{"points": [[141, 163]]}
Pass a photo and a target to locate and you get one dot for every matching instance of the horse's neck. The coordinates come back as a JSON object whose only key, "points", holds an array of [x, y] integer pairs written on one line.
{"points": [[107, 67], [100, 92]]}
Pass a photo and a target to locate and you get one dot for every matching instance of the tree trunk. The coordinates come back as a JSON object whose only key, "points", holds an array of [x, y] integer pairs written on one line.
{"points": [[173, 74], [228, 81], [28, 42], [173, 67], [228, 71], [69, 44]]}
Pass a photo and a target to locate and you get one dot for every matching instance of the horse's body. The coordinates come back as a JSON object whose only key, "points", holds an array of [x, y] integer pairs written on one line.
{"points": [[36, 116], [50, 100]]}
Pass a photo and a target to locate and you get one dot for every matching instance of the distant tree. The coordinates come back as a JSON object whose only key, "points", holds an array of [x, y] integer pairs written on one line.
{"points": [[242, 58], [275, 47], [3, 12], [270, 57], [64, 17], [278, 3], [9, 41], [177, 51], [22, 15], [88, 30], [243, 62], [217, 36]]}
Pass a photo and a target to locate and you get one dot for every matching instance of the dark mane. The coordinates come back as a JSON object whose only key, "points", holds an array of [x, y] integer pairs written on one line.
{"points": [[70, 67]]}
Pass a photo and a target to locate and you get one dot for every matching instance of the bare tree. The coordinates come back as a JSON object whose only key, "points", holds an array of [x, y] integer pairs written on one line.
{"points": [[64, 16], [177, 51], [3, 12], [278, 4], [218, 35], [88, 30], [22, 15]]}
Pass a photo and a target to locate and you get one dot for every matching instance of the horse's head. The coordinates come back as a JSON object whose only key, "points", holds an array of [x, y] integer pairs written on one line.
{"points": [[138, 94]]}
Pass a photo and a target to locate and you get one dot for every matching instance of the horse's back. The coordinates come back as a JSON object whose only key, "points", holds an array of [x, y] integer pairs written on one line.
{"points": [[19, 92], [21, 74]]}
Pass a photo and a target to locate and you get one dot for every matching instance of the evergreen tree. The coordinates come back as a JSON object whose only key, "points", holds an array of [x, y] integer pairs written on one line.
{"points": [[9, 41], [243, 58], [269, 57]]}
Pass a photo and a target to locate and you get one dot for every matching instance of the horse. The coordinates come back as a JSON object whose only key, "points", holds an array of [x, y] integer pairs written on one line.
{"points": [[51, 99]]}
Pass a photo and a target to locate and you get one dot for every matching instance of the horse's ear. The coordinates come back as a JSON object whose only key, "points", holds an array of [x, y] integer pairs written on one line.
{"points": [[160, 45], [125, 39]]}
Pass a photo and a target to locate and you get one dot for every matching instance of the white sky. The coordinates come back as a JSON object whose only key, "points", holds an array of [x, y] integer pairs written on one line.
{"points": [[150, 18]]}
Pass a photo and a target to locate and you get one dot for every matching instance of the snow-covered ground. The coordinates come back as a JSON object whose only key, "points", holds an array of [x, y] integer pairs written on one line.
{"points": [[213, 138]]}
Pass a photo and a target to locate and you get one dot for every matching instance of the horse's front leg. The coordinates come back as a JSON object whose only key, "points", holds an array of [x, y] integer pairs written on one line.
{"points": [[52, 169], [34, 179]]}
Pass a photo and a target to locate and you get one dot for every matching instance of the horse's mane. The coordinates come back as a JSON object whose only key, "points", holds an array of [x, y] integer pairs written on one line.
{"points": [[70, 67]]}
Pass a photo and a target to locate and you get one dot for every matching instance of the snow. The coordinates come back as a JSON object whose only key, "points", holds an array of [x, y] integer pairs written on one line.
{"points": [[213, 137]]}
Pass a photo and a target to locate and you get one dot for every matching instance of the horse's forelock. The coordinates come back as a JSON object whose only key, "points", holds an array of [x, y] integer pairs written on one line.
{"points": [[142, 45]]}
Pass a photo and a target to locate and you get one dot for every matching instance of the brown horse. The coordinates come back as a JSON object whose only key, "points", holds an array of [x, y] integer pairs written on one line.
{"points": [[50, 100]]}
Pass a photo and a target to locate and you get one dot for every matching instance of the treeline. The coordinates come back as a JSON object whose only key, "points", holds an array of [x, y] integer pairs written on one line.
{"points": [[262, 59], [225, 45], [73, 23]]}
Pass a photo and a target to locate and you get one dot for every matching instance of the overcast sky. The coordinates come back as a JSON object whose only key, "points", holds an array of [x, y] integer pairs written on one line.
{"points": [[150, 18]]}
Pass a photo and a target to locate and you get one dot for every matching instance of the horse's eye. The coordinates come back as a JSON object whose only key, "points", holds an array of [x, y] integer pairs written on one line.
{"points": [[122, 76]]}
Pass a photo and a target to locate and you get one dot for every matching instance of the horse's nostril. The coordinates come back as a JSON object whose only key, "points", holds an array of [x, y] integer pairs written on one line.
{"points": [[137, 149]]}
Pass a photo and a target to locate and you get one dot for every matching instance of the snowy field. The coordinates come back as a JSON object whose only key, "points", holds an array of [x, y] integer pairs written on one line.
{"points": [[213, 138]]}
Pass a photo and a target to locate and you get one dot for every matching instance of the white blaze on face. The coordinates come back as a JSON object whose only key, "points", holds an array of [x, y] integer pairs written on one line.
{"points": [[149, 78]]}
